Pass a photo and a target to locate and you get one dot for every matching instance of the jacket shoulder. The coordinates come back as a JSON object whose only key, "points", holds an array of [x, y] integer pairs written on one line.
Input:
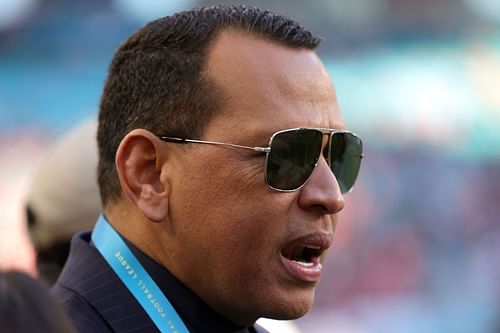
{"points": [[75, 280], [84, 316]]}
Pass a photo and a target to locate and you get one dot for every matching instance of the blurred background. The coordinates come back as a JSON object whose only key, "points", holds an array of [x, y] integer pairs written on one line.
{"points": [[418, 80]]}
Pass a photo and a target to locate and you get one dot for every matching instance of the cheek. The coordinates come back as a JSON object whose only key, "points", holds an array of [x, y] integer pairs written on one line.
{"points": [[227, 183], [226, 209], [249, 227]]}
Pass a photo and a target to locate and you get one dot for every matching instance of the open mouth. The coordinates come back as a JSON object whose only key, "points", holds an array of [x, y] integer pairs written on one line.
{"points": [[302, 257], [306, 255]]}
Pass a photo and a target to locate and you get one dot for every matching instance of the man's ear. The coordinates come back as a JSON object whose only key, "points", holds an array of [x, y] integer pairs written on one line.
{"points": [[139, 164]]}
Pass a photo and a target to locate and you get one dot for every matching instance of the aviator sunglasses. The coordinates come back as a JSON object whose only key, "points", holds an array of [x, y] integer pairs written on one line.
{"points": [[293, 154]]}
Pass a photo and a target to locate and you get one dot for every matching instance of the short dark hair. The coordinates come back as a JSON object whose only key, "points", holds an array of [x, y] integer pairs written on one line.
{"points": [[26, 305], [156, 80]]}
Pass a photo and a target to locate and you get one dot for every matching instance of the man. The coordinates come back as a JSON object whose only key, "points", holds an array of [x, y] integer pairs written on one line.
{"points": [[218, 134]]}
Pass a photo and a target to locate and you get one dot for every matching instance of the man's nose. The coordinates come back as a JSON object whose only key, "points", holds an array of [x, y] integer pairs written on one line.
{"points": [[322, 192]]}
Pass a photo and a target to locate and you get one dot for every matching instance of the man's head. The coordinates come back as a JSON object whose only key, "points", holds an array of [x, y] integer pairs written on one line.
{"points": [[158, 78], [232, 75]]}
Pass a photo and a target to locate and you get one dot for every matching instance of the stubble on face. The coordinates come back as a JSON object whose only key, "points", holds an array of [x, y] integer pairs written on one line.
{"points": [[231, 226]]}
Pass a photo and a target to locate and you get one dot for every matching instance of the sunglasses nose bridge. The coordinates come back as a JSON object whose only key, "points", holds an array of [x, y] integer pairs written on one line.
{"points": [[325, 146], [324, 152], [322, 190]]}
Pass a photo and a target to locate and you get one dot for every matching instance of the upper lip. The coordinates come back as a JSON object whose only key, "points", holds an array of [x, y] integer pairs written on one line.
{"points": [[319, 241]]}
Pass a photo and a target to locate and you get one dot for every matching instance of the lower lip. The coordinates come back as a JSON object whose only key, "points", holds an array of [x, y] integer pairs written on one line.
{"points": [[310, 273]]}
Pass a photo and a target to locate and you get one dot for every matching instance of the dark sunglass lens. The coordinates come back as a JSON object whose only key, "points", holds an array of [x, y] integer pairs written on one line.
{"points": [[292, 158], [346, 151]]}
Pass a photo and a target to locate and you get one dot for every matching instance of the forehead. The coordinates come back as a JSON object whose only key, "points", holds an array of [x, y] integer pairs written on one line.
{"points": [[266, 86]]}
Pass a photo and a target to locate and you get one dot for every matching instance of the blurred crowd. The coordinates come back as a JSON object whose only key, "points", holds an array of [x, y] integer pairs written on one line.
{"points": [[417, 245]]}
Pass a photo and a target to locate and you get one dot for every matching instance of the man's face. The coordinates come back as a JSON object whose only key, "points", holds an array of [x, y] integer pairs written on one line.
{"points": [[234, 236]]}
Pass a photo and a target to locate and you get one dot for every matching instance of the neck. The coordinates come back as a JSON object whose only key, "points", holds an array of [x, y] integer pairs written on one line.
{"points": [[146, 235]]}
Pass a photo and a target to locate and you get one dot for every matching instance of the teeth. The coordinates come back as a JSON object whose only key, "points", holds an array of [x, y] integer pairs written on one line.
{"points": [[305, 264], [313, 247]]}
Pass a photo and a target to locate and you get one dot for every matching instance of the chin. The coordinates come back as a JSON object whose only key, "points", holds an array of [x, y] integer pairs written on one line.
{"points": [[275, 302], [291, 308], [287, 314]]}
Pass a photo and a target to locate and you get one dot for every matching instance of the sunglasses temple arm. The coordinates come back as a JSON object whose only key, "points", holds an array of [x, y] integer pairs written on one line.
{"points": [[181, 140]]}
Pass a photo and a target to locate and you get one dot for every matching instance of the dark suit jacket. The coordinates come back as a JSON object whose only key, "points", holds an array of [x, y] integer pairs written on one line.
{"points": [[96, 300]]}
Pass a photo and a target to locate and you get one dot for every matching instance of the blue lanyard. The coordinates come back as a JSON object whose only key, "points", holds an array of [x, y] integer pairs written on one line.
{"points": [[136, 279]]}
